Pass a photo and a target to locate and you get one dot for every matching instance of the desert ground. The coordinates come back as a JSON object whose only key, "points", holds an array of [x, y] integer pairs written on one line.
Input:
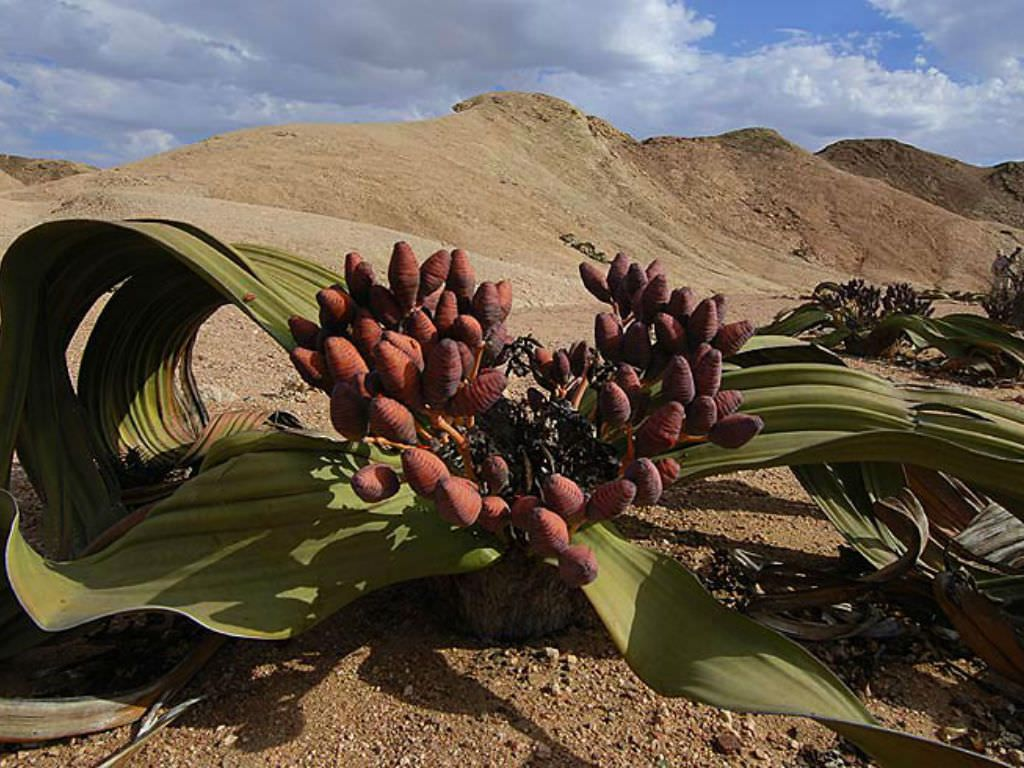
{"points": [[388, 680]]}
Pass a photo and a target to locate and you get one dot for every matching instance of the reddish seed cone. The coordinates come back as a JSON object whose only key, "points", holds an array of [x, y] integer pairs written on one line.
{"points": [[636, 345], [636, 278], [391, 420], [446, 312], [366, 333], [731, 338], [468, 330], [336, 307], [458, 501], [349, 410], [613, 405], [561, 368], [495, 473], [611, 499], [352, 260], [434, 272], [420, 327], [398, 373], [681, 304], [375, 482], [443, 373], [404, 276], [701, 415], [562, 496], [343, 359], [608, 336], [654, 298], [360, 282], [735, 430], [423, 470], [577, 565], [617, 272], [647, 479], [505, 298], [494, 514], [305, 332], [698, 354], [703, 323], [311, 366], [655, 268], [670, 333], [385, 307], [408, 345], [595, 281], [727, 401], [549, 534], [660, 431], [669, 470], [721, 304], [707, 376], [522, 509], [477, 396], [677, 382], [461, 277], [487, 305], [627, 378], [467, 355]]}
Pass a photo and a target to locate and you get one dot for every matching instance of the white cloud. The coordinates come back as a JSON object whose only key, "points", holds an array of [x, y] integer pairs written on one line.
{"points": [[129, 77]]}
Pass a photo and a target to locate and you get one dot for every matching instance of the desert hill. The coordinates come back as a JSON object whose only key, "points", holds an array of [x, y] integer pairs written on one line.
{"points": [[8, 182], [995, 193], [34, 170], [508, 174]]}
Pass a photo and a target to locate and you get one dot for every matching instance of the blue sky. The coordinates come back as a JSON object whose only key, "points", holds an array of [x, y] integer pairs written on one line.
{"points": [[108, 81]]}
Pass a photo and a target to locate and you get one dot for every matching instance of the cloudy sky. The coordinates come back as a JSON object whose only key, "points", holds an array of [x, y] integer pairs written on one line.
{"points": [[106, 81]]}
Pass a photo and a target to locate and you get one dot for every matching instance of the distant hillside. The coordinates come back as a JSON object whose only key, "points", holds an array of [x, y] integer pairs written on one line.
{"points": [[509, 173], [995, 193], [30, 170]]}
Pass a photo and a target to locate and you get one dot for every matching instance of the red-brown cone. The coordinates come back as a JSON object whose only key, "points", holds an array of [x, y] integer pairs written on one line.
{"points": [[522, 509], [577, 565], [311, 366], [468, 357], [423, 470], [476, 396], [495, 473], [617, 271], [434, 272], [384, 306], [613, 405], [549, 534], [669, 470], [721, 304], [670, 333], [349, 410], [443, 373], [391, 420], [563, 496], [698, 354], [735, 430], [404, 276], [608, 336], [731, 338], [595, 282], [647, 479], [611, 499], [375, 482], [336, 307], [707, 376], [655, 268], [447, 311], [701, 415], [561, 368], [305, 332], [636, 345], [660, 431], [636, 278], [461, 277], [727, 401], [343, 359], [352, 260], [579, 358], [703, 323], [487, 305], [360, 282], [408, 345], [468, 330], [366, 333], [458, 501], [398, 373], [494, 514], [504, 298], [654, 298], [681, 304], [421, 327], [677, 383]]}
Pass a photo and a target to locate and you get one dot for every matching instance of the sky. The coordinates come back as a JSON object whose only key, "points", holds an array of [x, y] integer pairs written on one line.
{"points": [[110, 81]]}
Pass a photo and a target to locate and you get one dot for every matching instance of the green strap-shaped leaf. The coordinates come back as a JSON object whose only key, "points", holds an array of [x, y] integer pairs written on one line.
{"points": [[682, 642], [268, 540]]}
